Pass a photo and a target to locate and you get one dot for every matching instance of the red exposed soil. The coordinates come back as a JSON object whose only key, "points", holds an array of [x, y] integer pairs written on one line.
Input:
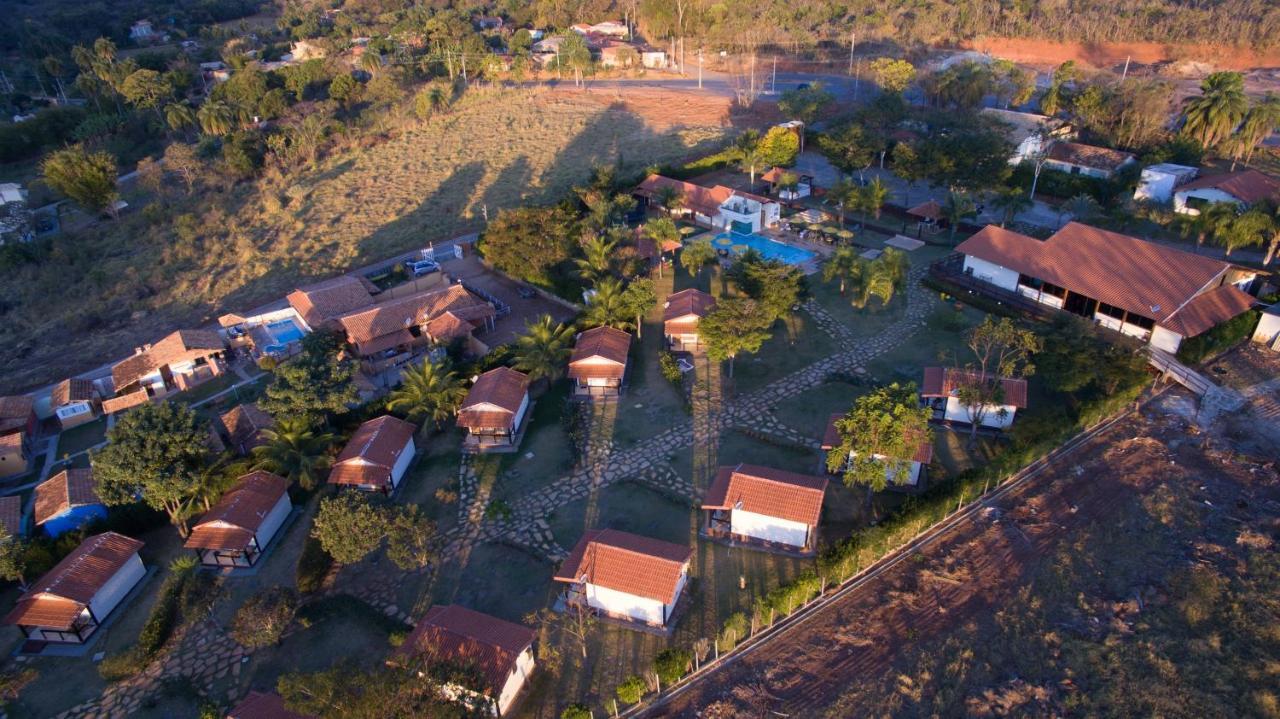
{"points": [[1108, 55]]}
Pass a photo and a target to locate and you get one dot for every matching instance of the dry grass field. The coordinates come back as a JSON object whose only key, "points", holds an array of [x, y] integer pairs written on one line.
{"points": [[182, 261]]}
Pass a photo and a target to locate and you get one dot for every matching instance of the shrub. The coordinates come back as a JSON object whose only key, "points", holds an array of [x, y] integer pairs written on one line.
{"points": [[1194, 350], [313, 565], [734, 630], [632, 689], [264, 616], [670, 368], [576, 711], [671, 664], [121, 666], [165, 617]]}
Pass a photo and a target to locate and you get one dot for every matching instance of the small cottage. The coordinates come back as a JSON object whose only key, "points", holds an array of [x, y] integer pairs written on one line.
{"points": [[494, 411], [242, 426], [625, 576], [766, 507], [941, 388], [237, 530], [919, 461], [74, 402], [67, 501], [377, 455], [599, 362], [680, 316], [17, 430]]}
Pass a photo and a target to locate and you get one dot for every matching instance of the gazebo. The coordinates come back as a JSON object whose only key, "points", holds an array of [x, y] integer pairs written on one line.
{"points": [[928, 214]]}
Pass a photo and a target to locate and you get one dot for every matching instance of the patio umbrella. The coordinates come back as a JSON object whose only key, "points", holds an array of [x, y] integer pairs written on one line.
{"points": [[815, 227], [739, 248], [686, 231], [845, 234]]}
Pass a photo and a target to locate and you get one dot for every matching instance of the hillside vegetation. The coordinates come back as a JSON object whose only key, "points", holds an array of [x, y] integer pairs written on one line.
{"points": [[181, 261]]}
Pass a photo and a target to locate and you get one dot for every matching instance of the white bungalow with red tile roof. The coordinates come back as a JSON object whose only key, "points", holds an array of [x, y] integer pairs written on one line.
{"points": [[1090, 160], [680, 317], [765, 506], [940, 392], [237, 530], [918, 462], [494, 411], [74, 402], [626, 576], [599, 362], [68, 604], [17, 429], [263, 705], [1243, 188], [1158, 294], [501, 651], [377, 455], [718, 206]]}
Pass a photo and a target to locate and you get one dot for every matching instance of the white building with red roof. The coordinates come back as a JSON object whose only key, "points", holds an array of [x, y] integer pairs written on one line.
{"points": [[1243, 188], [236, 530], [376, 456], [941, 389], [599, 362], [765, 506], [70, 602], [626, 576], [500, 652], [680, 317], [917, 463], [1156, 293], [494, 411], [717, 206]]}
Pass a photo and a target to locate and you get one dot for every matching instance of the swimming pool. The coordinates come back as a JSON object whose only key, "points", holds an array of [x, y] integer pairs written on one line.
{"points": [[736, 242], [284, 331]]}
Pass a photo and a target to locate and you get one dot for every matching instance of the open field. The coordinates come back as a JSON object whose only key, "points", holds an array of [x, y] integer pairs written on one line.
{"points": [[1143, 559], [234, 248]]}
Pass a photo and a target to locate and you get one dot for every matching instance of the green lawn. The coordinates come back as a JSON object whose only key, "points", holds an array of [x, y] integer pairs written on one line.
{"points": [[209, 388], [939, 342], [808, 411], [435, 469], [546, 453], [496, 579], [78, 439], [797, 342]]}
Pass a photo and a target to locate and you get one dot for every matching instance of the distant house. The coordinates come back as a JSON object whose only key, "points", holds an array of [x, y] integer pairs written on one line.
{"points": [[680, 317], [12, 520], [500, 651], [940, 390], [614, 53], [919, 461], [70, 602], [494, 411], [608, 28], [178, 362], [75, 402], [17, 430], [599, 362], [488, 22], [386, 334], [764, 506], [141, 31], [626, 576], [652, 57], [803, 184], [67, 501], [376, 456], [323, 302], [1157, 182], [263, 705], [1027, 131], [719, 207], [1090, 160], [1156, 293], [241, 427], [1244, 189], [238, 529]]}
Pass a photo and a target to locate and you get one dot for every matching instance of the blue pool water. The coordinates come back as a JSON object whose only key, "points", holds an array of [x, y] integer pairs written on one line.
{"points": [[769, 249], [284, 331]]}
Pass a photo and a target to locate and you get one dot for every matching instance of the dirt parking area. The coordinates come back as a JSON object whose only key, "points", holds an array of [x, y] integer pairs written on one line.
{"points": [[474, 274]]}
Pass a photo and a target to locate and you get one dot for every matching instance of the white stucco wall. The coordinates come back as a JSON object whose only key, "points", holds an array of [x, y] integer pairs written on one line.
{"points": [[271, 523], [1155, 187], [913, 476], [1041, 297], [1165, 339], [1208, 194], [1268, 329], [119, 585], [1127, 328], [991, 272], [957, 412], [769, 529], [519, 674], [402, 462], [524, 407], [621, 603]]}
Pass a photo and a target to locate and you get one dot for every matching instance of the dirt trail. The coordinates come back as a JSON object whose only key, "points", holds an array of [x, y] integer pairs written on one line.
{"points": [[1108, 54], [976, 566]]}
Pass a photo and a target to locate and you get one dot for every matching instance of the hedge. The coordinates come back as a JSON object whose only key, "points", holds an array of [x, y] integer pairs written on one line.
{"points": [[1194, 350]]}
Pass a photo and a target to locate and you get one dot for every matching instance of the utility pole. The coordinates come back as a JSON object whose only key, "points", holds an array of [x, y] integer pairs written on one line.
{"points": [[853, 45], [1125, 74], [773, 82], [857, 77], [699, 68]]}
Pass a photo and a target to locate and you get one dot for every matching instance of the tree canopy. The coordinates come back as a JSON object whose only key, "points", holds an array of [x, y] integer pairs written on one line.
{"points": [[530, 243], [89, 178], [734, 326], [879, 438]]}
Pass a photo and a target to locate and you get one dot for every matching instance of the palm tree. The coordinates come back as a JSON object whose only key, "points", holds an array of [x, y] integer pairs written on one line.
{"points": [[371, 62], [428, 391], [1082, 208], [609, 306], [294, 450], [872, 197], [661, 232], [697, 255], [845, 193], [895, 264], [543, 349], [956, 208], [1262, 120], [1212, 116], [215, 118], [437, 99], [597, 258], [1208, 222], [178, 116], [1273, 243], [1011, 202], [843, 263], [879, 283], [748, 153], [669, 199], [1246, 230], [575, 55]]}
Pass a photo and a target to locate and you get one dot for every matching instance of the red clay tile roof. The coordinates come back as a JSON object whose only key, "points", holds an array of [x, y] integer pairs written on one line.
{"points": [[180, 346], [831, 438], [63, 491], [325, 300], [628, 563], [418, 309], [263, 705], [1141, 277], [703, 200], [942, 381], [15, 412], [448, 326], [1209, 309], [56, 599], [600, 352], [125, 401], [233, 521], [1100, 158], [372, 452], [685, 304], [494, 399], [11, 443], [244, 424], [771, 492], [929, 210], [10, 515], [459, 635], [71, 390], [1248, 186]]}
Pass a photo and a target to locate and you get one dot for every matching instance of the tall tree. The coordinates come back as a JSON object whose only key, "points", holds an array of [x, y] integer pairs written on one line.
{"points": [[879, 436], [608, 307], [748, 150], [805, 104], [1262, 119], [871, 198], [736, 325], [574, 55], [154, 453], [779, 147], [1082, 207], [294, 449], [1058, 96], [529, 243], [892, 74], [215, 118], [543, 349], [1212, 117], [348, 527], [428, 391], [669, 199], [181, 159], [999, 350], [640, 297], [1249, 229], [315, 384], [957, 208], [89, 178], [697, 255], [1010, 202], [844, 263], [597, 258]]}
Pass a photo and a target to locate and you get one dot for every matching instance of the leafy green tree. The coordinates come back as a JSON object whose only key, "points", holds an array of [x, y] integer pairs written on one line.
{"points": [[1212, 117], [1209, 222], [893, 75], [632, 689], [89, 178], [315, 384], [846, 194], [608, 307], [779, 147], [262, 619], [844, 263], [351, 692], [879, 436], [696, 255], [529, 243], [962, 86], [13, 560], [640, 297], [344, 88], [348, 527], [431, 101], [146, 89], [734, 326], [428, 391], [850, 147], [669, 199], [1058, 96], [543, 349], [957, 208], [805, 104], [409, 538], [1014, 85], [155, 453], [521, 42], [295, 450], [574, 55], [1010, 202], [1248, 229], [999, 350], [181, 160], [775, 285], [871, 197]]}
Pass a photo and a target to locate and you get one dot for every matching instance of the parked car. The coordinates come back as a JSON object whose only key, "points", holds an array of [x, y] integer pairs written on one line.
{"points": [[424, 267], [526, 292]]}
